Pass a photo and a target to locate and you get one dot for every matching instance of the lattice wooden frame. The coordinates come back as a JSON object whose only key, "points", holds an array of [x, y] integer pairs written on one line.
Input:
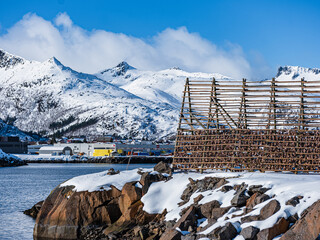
{"points": [[240, 125]]}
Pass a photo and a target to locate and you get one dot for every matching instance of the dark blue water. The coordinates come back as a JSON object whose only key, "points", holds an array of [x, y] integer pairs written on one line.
{"points": [[22, 187]]}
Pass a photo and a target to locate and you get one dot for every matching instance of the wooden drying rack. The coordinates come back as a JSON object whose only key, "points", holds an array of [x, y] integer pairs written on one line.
{"points": [[240, 125]]}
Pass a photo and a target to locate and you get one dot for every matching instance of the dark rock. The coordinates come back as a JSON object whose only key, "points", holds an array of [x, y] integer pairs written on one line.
{"points": [[189, 237], [280, 227], [226, 188], [111, 171], [163, 167], [308, 226], [256, 199], [257, 189], [208, 183], [240, 198], [268, 210], [171, 234], [294, 201], [217, 213], [249, 233], [188, 219], [198, 199], [33, 212], [227, 232], [206, 209], [147, 179], [293, 218]]}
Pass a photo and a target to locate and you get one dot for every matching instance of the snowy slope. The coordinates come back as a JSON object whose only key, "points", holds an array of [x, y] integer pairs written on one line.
{"points": [[296, 73], [47, 96], [12, 131], [163, 86]]}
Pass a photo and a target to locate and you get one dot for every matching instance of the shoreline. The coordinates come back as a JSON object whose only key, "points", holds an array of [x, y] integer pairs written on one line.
{"points": [[111, 160]]}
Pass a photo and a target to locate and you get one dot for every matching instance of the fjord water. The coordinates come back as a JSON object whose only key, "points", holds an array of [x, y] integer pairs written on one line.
{"points": [[22, 187]]}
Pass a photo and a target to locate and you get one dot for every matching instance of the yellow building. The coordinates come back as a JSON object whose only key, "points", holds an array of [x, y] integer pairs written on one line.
{"points": [[101, 150]]}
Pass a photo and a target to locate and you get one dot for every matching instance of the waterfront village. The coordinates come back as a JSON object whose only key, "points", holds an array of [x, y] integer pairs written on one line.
{"points": [[84, 148]]}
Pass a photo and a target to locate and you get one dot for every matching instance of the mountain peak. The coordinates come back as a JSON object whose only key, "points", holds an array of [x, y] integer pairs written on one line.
{"points": [[119, 70], [296, 71], [8, 60], [54, 60]]}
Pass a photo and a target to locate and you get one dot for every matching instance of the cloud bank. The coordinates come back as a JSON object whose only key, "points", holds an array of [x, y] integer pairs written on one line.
{"points": [[91, 51]]}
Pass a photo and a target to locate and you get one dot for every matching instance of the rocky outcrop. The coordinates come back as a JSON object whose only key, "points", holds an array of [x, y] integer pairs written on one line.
{"points": [[9, 160], [110, 214], [307, 227], [66, 214], [118, 213], [33, 212]]}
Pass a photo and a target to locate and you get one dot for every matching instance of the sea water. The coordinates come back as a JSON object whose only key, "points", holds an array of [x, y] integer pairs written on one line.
{"points": [[22, 187]]}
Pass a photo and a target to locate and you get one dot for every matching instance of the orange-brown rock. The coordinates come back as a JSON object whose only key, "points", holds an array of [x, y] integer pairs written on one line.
{"points": [[65, 212], [187, 219], [268, 210], [307, 227], [280, 227], [129, 195], [255, 199], [171, 234]]}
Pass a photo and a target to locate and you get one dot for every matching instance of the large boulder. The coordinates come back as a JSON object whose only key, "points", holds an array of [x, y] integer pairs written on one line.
{"points": [[268, 210], [256, 199], [280, 227], [227, 232], [148, 178], [240, 198], [65, 212], [249, 233], [307, 227], [130, 193], [163, 167], [206, 208], [187, 219]]}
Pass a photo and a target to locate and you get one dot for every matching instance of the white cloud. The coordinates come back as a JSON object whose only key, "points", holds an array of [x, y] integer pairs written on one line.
{"points": [[90, 51]]}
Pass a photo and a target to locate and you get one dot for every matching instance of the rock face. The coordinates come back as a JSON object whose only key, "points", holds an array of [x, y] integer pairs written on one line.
{"points": [[65, 212], [307, 227]]}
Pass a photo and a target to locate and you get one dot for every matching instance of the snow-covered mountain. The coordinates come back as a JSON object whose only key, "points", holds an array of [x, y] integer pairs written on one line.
{"points": [[296, 73], [162, 87], [12, 131], [46, 97]]}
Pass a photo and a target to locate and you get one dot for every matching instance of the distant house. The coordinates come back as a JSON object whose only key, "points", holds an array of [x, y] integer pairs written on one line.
{"points": [[34, 149], [55, 150], [13, 145]]}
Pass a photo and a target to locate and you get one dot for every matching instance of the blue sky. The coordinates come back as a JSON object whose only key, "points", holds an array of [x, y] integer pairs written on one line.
{"points": [[268, 33]]}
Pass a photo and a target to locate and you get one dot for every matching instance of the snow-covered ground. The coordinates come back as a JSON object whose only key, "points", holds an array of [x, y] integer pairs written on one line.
{"points": [[8, 157], [166, 195], [46, 157]]}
